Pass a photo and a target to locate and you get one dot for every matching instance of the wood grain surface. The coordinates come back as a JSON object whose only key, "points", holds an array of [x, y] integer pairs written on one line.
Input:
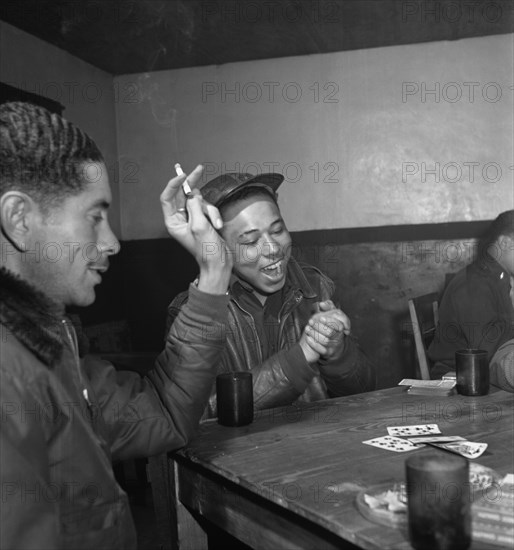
{"points": [[290, 479]]}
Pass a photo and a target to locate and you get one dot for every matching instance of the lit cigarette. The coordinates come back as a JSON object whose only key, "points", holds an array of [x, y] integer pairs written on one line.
{"points": [[185, 186]]}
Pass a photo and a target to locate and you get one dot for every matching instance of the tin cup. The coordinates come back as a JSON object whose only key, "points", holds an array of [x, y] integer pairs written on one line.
{"points": [[438, 501], [472, 371], [234, 396]]}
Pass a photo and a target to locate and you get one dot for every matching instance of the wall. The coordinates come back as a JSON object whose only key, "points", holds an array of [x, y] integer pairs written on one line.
{"points": [[356, 133], [86, 92]]}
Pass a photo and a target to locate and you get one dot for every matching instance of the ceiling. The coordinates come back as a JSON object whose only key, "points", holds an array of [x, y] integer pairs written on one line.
{"points": [[132, 36]]}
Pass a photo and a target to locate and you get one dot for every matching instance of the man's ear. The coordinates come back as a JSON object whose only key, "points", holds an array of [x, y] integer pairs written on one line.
{"points": [[16, 210], [505, 242]]}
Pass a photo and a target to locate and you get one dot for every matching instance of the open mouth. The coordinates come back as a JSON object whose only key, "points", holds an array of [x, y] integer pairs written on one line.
{"points": [[275, 270], [97, 271]]}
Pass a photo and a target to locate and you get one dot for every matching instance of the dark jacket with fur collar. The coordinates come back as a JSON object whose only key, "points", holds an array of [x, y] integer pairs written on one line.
{"points": [[64, 419]]}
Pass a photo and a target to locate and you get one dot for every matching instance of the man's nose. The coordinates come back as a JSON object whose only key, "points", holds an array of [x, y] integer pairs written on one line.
{"points": [[108, 243], [271, 247]]}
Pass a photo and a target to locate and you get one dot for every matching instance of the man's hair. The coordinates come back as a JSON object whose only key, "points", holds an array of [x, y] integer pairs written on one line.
{"points": [[245, 193], [502, 225], [42, 154]]}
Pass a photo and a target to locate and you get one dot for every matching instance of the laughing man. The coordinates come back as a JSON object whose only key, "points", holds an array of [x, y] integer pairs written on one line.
{"points": [[283, 324]]}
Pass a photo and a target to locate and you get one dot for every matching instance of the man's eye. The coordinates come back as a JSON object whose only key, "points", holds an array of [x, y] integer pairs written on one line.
{"points": [[250, 243]]}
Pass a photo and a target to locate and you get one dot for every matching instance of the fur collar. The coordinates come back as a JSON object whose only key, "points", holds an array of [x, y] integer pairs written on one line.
{"points": [[31, 317]]}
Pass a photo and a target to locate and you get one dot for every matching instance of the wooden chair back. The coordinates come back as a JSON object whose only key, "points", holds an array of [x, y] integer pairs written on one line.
{"points": [[424, 314]]}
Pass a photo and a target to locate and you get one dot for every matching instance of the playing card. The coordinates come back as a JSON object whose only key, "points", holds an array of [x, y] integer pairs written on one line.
{"points": [[428, 383], [469, 449], [435, 439], [420, 429], [392, 443]]}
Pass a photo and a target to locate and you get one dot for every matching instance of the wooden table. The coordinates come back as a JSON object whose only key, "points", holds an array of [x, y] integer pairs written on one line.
{"points": [[290, 479]]}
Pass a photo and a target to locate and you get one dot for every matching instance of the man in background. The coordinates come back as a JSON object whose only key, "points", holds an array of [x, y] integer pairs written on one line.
{"points": [[65, 419], [283, 325], [476, 310]]}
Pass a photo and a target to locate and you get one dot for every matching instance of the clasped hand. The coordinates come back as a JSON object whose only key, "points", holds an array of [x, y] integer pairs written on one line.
{"points": [[324, 335]]}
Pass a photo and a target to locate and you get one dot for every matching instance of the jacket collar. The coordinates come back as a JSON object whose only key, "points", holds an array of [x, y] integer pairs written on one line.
{"points": [[298, 281], [31, 317], [295, 281], [489, 264]]}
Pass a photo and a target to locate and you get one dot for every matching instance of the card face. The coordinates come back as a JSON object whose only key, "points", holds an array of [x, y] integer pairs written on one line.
{"points": [[469, 449], [391, 443], [419, 429]]}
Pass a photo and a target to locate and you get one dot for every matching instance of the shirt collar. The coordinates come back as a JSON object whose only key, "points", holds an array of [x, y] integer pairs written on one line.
{"points": [[488, 263]]}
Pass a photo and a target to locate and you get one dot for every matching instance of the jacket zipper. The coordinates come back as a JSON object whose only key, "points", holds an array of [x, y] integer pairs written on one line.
{"points": [[256, 334], [282, 320], [72, 338]]}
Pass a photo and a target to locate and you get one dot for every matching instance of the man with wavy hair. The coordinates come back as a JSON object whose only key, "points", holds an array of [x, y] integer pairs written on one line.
{"points": [[66, 418]]}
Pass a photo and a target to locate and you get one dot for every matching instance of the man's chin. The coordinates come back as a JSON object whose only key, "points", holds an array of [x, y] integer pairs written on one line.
{"points": [[271, 288], [84, 300]]}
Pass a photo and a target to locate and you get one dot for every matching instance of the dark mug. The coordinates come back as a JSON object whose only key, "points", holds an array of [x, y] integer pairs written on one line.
{"points": [[472, 371], [438, 501], [234, 397]]}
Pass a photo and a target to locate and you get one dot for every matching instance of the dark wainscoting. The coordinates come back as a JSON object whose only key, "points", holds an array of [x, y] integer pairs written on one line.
{"points": [[376, 270], [142, 280]]}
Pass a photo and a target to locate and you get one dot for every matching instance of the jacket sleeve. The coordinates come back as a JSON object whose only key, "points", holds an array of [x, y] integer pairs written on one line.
{"points": [[502, 367], [279, 380], [282, 378], [350, 373], [160, 412], [28, 517]]}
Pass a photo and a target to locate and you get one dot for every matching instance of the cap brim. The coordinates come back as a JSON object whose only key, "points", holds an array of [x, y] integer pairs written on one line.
{"points": [[270, 182]]}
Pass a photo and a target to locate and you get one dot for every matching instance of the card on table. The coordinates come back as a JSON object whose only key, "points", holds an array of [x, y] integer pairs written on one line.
{"points": [[392, 443], [468, 449], [419, 429], [446, 383], [436, 439]]}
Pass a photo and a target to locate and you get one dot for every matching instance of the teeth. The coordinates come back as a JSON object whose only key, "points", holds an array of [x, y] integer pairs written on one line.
{"points": [[275, 267]]}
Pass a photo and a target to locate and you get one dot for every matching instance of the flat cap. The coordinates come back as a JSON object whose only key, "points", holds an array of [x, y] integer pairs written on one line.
{"points": [[222, 187]]}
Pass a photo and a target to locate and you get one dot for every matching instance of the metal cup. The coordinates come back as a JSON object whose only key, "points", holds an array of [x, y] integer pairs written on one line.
{"points": [[234, 396], [472, 371], [438, 501]]}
